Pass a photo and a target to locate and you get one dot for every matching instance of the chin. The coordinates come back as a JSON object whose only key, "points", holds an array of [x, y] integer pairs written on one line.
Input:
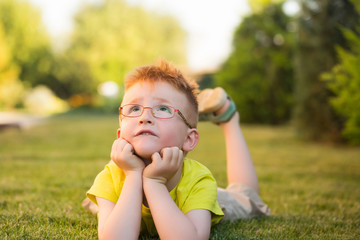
{"points": [[145, 153]]}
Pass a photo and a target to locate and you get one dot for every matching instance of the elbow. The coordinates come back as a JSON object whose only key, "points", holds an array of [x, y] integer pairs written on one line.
{"points": [[188, 235], [116, 235], [204, 236], [101, 235]]}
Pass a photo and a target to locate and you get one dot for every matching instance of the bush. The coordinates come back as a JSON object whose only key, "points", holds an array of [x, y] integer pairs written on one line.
{"points": [[344, 81], [259, 74]]}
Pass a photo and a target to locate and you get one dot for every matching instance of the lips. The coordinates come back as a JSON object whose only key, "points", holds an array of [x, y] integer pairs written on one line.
{"points": [[145, 133]]}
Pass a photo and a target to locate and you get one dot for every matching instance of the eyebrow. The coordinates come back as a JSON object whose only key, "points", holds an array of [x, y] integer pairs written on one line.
{"points": [[156, 98], [162, 100]]}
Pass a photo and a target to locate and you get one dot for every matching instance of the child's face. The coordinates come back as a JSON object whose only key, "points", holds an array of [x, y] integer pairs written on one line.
{"points": [[146, 133]]}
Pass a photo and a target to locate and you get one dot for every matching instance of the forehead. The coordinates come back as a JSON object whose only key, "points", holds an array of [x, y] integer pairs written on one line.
{"points": [[160, 92]]}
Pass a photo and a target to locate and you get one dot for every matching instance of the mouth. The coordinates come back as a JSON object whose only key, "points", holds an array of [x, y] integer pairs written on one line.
{"points": [[145, 133]]}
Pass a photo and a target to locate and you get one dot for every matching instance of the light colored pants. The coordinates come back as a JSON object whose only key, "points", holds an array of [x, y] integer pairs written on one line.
{"points": [[239, 201]]}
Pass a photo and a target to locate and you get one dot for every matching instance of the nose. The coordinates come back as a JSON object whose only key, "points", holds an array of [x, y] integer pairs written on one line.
{"points": [[146, 116]]}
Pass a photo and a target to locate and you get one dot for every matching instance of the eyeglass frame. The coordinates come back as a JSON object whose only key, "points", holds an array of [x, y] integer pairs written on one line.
{"points": [[152, 113]]}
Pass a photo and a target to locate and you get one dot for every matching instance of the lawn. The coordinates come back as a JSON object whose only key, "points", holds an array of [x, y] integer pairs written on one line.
{"points": [[312, 189]]}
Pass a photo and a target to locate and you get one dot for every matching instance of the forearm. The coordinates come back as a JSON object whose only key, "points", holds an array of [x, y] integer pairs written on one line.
{"points": [[124, 220], [170, 222]]}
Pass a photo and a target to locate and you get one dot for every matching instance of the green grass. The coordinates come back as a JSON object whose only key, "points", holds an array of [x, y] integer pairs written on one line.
{"points": [[312, 189]]}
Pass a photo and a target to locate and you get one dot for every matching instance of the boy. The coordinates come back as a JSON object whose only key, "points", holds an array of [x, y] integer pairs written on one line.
{"points": [[149, 186]]}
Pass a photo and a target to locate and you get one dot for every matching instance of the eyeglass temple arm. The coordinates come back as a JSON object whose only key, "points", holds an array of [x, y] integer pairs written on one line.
{"points": [[186, 122]]}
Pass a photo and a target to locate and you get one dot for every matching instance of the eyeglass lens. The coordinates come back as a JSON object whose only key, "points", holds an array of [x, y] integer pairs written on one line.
{"points": [[160, 111]]}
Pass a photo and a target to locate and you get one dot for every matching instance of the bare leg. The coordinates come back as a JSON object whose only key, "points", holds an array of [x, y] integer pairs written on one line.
{"points": [[240, 167]]}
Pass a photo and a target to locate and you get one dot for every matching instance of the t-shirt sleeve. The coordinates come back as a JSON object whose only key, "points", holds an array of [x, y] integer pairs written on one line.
{"points": [[203, 195], [104, 185]]}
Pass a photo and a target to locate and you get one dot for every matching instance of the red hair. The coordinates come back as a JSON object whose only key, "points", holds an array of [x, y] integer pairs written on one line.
{"points": [[164, 71]]}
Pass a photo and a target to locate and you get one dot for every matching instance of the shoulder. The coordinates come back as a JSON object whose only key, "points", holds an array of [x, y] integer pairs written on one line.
{"points": [[196, 174], [111, 169], [192, 168], [108, 183]]}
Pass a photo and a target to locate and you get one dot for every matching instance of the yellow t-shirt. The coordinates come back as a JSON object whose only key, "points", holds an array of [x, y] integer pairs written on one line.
{"points": [[196, 189]]}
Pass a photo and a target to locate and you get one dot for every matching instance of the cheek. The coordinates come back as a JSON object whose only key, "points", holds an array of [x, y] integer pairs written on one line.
{"points": [[174, 137], [125, 129]]}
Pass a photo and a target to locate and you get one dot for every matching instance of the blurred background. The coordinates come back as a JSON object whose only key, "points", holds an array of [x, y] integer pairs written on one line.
{"points": [[283, 62]]}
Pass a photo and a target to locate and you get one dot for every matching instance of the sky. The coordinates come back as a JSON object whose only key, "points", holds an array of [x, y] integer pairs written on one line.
{"points": [[209, 24]]}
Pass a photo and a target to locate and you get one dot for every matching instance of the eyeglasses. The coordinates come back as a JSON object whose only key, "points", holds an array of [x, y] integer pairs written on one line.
{"points": [[159, 111]]}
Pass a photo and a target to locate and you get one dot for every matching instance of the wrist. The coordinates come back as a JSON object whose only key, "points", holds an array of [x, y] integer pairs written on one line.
{"points": [[151, 182], [133, 174]]}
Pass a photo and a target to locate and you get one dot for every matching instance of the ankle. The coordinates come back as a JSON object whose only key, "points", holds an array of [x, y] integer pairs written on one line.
{"points": [[232, 124]]}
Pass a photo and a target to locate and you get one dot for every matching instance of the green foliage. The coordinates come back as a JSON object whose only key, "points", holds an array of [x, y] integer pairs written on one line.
{"points": [[46, 170], [257, 6], [71, 75], [109, 39], [344, 81], [113, 38], [259, 74], [11, 89], [25, 52], [27, 40], [318, 34]]}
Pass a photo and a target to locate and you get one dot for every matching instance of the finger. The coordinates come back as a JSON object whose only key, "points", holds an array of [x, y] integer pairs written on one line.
{"points": [[181, 155], [128, 149], [167, 154], [156, 157], [177, 156], [117, 143], [117, 148], [113, 150], [176, 151], [122, 142], [174, 157]]}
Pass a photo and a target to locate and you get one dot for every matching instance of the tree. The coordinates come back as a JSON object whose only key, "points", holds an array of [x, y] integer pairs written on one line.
{"points": [[344, 81], [318, 33], [27, 40], [25, 52], [112, 38], [257, 6], [11, 89], [259, 74]]}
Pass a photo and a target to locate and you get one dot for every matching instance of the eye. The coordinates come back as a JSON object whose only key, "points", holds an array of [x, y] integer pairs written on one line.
{"points": [[134, 108], [164, 109]]}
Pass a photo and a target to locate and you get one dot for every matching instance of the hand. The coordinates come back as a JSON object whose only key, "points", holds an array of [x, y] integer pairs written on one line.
{"points": [[123, 154], [163, 167]]}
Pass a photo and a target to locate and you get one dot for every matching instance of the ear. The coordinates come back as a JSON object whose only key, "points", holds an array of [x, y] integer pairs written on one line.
{"points": [[191, 140], [118, 133]]}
